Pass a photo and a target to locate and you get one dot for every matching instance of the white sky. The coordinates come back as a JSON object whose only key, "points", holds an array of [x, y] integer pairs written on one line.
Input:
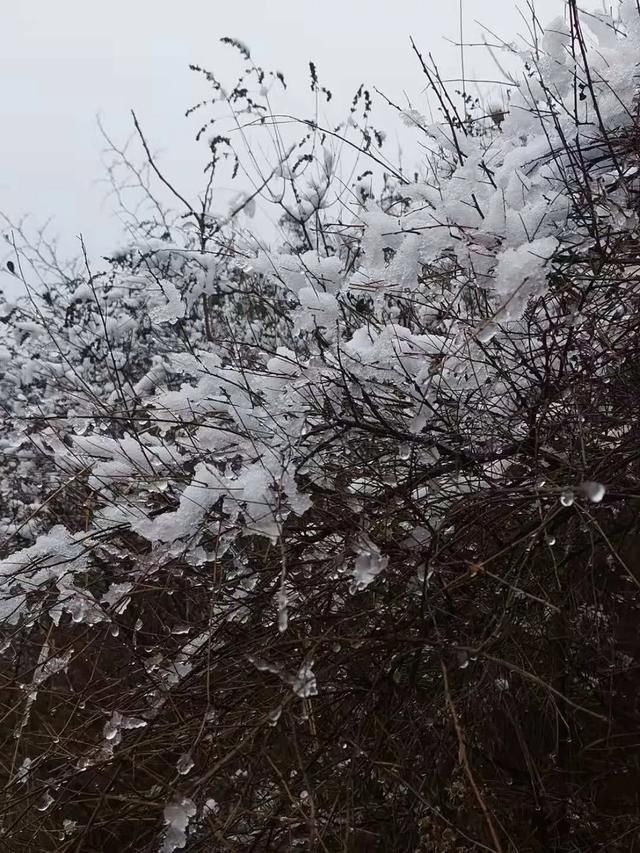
{"points": [[64, 62]]}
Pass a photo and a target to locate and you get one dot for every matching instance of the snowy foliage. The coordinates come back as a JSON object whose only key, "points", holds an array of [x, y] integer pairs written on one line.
{"points": [[212, 445]]}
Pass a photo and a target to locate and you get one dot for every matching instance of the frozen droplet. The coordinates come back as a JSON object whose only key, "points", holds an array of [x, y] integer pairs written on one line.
{"points": [[274, 716], [185, 764], [567, 498], [115, 629], [112, 727], [44, 802], [593, 491], [404, 451], [551, 540], [138, 625], [304, 795], [283, 610]]}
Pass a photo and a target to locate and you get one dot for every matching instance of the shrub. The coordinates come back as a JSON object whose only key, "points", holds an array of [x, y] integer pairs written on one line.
{"points": [[335, 546]]}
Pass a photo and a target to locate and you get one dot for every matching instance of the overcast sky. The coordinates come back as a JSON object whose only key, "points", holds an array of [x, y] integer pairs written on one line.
{"points": [[62, 63]]}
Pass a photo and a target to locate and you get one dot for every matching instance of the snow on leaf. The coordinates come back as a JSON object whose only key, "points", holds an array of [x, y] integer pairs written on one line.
{"points": [[173, 309]]}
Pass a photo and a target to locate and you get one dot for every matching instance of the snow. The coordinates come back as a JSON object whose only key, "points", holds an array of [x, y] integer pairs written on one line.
{"points": [[368, 564], [594, 491], [174, 308], [177, 816], [304, 684], [371, 382], [55, 557], [185, 764]]}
